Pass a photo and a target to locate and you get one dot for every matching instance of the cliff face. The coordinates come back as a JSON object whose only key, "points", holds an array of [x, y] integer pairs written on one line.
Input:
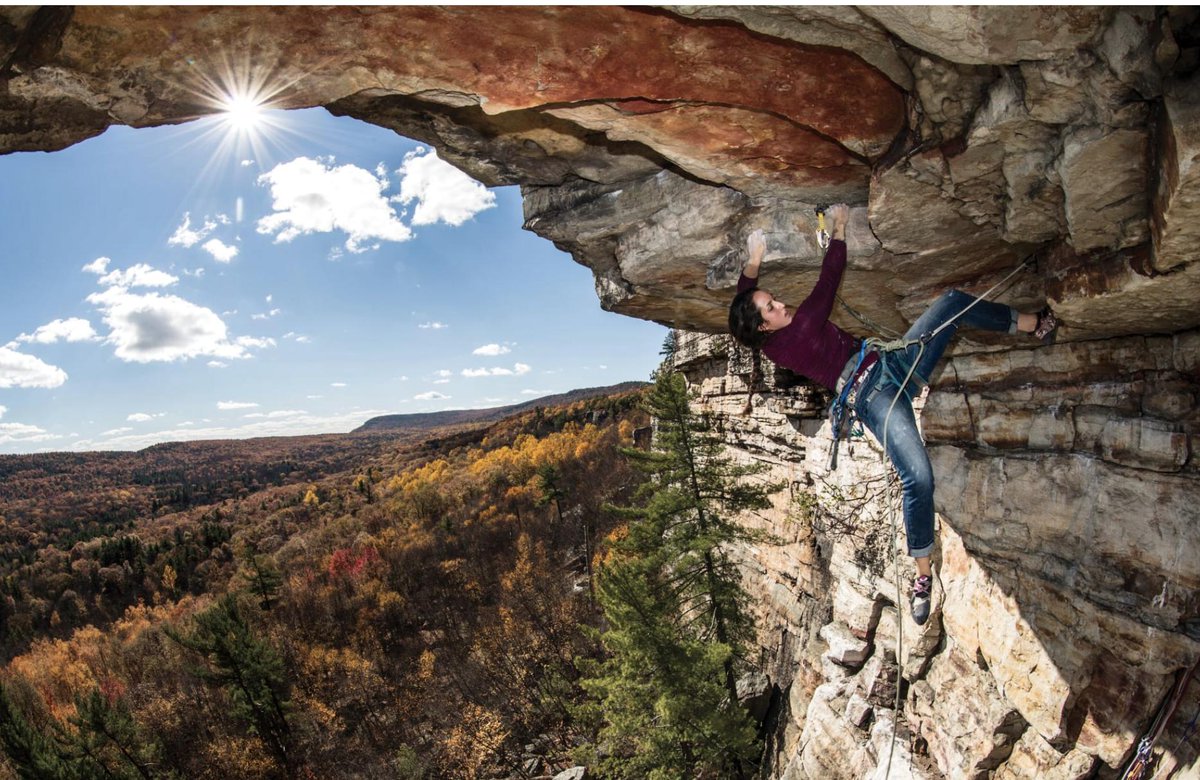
{"points": [[650, 142]]}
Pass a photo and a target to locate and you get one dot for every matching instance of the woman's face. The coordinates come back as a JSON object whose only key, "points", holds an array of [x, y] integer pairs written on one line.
{"points": [[775, 315]]}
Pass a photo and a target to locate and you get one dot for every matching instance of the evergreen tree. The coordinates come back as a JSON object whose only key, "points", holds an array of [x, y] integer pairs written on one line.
{"points": [[247, 668], [108, 740], [32, 754], [678, 618], [262, 576], [670, 345]]}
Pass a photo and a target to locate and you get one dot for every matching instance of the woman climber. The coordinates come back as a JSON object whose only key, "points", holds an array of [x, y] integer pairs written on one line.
{"points": [[806, 342]]}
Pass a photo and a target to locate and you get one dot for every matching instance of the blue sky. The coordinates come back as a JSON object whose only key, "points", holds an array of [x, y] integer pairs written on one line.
{"points": [[296, 275]]}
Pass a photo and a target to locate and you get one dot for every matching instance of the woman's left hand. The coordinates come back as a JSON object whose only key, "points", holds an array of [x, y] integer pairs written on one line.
{"points": [[756, 245]]}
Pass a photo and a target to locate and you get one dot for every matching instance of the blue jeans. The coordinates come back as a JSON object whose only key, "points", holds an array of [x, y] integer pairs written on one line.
{"points": [[905, 448]]}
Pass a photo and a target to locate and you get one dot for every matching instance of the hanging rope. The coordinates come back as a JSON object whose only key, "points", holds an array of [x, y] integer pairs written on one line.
{"points": [[1141, 759], [888, 349]]}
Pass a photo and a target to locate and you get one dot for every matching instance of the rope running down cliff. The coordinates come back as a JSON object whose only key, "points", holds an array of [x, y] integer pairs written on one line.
{"points": [[893, 346]]}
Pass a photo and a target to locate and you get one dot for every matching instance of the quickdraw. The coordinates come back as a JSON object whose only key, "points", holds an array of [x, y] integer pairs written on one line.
{"points": [[841, 413], [822, 233]]}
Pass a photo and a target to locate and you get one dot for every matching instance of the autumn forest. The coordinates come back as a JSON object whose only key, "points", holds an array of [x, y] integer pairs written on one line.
{"points": [[482, 600]]}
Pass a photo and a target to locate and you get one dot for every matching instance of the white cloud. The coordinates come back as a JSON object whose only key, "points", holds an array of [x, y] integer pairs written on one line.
{"points": [[292, 425], [247, 163], [140, 275], [21, 370], [254, 342], [276, 415], [432, 395], [20, 434], [441, 381], [491, 350], [143, 417], [186, 424], [533, 392], [432, 325], [309, 197], [239, 209], [266, 316], [443, 193], [444, 373], [197, 273], [221, 252], [225, 406], [217, 364], [97, 266], [72, 329], [270, 297], [337, 384], [517, 370], [313, 397], [186, 237], [153, 327], [3, 409], [115, 431]]}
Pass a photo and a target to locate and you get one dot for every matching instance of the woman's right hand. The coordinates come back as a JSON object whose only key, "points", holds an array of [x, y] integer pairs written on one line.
{"points": [[839, 215]]}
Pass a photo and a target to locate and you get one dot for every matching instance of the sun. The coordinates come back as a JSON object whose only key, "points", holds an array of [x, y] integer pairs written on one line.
{"points": [[242, 113]]}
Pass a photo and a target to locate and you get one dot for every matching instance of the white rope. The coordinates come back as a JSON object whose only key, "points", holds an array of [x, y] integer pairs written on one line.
{"points": [[891, 347]]}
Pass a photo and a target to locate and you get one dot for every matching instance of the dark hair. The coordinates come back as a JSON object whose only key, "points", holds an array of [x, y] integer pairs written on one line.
{"points": [[745, 320]]}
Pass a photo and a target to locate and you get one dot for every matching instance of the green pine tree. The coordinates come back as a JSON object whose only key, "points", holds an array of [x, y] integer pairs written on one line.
{"points": [[248, 668], [108, 739], [31, 753], [679, 624], [262, 576]]}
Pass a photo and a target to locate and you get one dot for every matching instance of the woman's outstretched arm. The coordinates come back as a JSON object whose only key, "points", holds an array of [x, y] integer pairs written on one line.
{"points": [[819, 303]]}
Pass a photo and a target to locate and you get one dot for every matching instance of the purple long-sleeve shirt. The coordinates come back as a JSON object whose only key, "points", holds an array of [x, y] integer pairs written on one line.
{"points": [[810, 344]]}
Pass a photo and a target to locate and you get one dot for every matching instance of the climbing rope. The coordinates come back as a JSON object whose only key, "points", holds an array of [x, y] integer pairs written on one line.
{"points": [[895, 346], [1141, 759]]}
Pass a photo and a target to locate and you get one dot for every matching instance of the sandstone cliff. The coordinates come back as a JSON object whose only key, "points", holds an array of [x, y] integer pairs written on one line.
{"points": [[648, 143]]}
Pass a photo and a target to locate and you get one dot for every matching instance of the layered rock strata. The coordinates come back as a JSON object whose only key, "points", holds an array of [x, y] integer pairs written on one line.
{"points": [[649, 142], [1067, 590]]}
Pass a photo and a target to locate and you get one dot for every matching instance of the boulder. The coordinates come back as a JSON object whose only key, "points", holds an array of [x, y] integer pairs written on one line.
{"points": [[844, 647]]}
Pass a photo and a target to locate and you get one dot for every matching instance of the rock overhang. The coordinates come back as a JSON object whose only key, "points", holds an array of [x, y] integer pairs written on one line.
{"points": [[650, 141]]}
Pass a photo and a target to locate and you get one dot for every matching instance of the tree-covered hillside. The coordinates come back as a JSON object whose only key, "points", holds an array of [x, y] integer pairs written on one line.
{"points": [[414, 611]]}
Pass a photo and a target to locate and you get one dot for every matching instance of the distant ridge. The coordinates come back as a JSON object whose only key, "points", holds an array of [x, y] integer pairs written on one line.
{"points": [[425, 420]]}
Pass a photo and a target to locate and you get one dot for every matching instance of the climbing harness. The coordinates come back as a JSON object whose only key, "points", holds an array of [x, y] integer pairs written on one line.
{"points": [[822, 233], [1141, 759], [891, 359]]}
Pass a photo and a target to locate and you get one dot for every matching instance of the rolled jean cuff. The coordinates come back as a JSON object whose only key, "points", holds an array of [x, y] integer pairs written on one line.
{"points": [[1012, 328], [923, 552]]}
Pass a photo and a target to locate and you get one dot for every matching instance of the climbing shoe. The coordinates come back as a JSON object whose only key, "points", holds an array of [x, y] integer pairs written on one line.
{"points": [[921, 598], [1047, 326]]}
